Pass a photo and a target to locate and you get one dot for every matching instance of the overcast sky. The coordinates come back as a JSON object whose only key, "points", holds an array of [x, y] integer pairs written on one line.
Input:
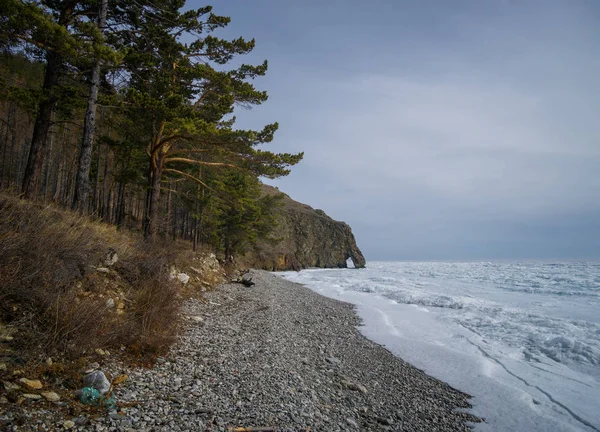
{"points": [[438, 129]]}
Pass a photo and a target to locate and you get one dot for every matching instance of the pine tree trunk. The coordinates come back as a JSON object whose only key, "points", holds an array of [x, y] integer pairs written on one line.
{"points": [[153, 210], [5, 146], [121, 206], [196, 226], [174, 218], [97, 184], [82, 183], [42, 126], [11, 163], [48, 165]]}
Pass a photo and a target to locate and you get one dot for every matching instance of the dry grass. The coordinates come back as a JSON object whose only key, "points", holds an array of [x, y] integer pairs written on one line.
{"points": [[55, 301]]}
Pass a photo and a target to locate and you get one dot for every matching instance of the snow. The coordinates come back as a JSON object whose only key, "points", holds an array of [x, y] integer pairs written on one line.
{"points": [[531, 360]]}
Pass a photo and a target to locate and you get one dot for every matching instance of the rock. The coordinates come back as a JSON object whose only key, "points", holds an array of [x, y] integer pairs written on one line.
{"points": [[51, 396], [310, 238], [9, 386], [333, 360], [111, 258], [116, 416], [31, 384], [82, 421], [49, 361], [2, 366], [361, 388], [121, 305], [69, 424], [32, 396], [92, 367], [110, 303], [97, 380], [197, 319], [102, 270], [354, 386], [100, 351], [196, 270], [385, 421], [183, 278], [351, 422], [119, 379], [7, 338]]}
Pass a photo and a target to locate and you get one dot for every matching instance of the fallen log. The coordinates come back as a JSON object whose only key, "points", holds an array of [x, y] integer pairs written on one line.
{"points": [[244, 280]]}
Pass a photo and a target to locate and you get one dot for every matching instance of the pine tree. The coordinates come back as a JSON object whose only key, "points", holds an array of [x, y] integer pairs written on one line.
{"points": [[244, 215], [82, 183], [62, 33], [187, 98]]}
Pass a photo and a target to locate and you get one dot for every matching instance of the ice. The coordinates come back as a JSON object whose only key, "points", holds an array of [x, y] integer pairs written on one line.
{"points": [[522, 338]]}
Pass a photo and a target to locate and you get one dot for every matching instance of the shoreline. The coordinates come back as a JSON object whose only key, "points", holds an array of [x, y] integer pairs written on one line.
{"points": [[277, 357]]}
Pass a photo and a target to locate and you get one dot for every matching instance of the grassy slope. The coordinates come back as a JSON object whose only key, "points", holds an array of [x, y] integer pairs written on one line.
{"points": [[53, 297]]}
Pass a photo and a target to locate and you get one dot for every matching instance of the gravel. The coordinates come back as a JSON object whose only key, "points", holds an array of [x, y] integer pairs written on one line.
{"points": [[277, 355]]}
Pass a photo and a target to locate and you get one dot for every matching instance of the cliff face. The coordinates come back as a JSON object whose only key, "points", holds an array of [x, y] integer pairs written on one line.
{"points": [[308, 238]]}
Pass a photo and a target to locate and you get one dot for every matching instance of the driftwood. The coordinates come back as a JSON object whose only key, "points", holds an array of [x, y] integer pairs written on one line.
{"points": [[244, 280], [247, 281]]}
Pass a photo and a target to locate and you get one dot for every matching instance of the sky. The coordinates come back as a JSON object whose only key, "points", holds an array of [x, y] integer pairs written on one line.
{"points": [[461, 129]]}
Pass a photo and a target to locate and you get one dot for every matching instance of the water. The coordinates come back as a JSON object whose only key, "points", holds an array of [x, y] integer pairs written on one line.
{"points": [[522, 337]]}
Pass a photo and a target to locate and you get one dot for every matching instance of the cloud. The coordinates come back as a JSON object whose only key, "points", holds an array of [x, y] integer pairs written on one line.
{"points": [[442, 131]]}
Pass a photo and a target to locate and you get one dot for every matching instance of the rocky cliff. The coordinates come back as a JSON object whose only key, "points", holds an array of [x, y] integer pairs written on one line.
{"points": [[307, 238]]}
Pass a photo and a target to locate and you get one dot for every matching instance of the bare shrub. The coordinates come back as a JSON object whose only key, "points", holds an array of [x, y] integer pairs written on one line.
{"points": [[47, 275], [155, 299]]}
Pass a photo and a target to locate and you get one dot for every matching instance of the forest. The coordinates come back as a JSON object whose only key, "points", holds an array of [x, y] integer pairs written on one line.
{"points": [[125, 111]]}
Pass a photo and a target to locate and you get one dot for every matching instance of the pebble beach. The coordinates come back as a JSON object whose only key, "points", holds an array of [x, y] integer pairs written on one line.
{"points": [[278, 357]]}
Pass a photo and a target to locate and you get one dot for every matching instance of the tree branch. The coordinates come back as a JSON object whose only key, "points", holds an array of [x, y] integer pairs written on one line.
{"points": [[191, 177], [197, 162]]}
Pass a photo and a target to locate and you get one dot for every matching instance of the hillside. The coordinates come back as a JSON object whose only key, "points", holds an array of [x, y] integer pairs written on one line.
{"points": [[70, 285], [306, 237]]}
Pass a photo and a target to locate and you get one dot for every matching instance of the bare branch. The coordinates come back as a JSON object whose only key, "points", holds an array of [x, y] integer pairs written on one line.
{"points": [[197, 162], [197, 180]]}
